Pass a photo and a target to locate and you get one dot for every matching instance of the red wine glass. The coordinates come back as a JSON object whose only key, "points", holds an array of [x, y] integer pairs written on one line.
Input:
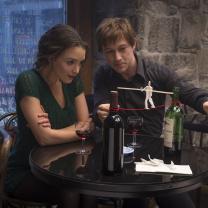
{"points": [[83, 130], [134, 124]]}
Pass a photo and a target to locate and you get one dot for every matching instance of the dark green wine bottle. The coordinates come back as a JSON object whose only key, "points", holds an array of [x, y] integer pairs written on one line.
{"points": [[113, 138], [173, 125]]}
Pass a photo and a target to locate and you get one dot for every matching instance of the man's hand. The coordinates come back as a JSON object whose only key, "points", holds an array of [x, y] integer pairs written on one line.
{"points": [[103, 111], [43, 120], [205, 106]]}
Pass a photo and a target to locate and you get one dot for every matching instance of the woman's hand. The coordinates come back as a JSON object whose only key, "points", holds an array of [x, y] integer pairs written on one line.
{"points": [[87, 125], [43, 120]]}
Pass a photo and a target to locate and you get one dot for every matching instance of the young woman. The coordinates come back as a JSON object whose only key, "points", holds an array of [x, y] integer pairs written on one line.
{"points": [[49, 100]]}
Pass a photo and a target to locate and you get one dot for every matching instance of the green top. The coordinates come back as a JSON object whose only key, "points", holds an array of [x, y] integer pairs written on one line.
{"points": [[30, 83]]}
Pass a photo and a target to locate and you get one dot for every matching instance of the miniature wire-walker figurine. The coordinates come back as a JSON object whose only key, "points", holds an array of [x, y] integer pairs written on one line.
{"points": [[148, 90]]}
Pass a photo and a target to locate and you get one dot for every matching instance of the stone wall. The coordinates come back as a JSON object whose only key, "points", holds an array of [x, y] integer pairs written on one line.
{"points": [[171, 32]]}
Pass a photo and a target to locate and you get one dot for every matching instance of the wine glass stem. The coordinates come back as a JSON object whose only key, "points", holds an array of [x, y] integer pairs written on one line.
{"points": [[134, 139], [83, 139]]}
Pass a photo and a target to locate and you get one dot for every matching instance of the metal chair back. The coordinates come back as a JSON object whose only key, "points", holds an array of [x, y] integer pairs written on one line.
{"points": [[7, 137]]}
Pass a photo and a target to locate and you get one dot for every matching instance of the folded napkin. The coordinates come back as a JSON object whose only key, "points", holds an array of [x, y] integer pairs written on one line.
{"points": [[156, 165]]}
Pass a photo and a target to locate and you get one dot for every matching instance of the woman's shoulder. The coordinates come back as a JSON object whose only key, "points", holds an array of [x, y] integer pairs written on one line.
{"points": [[28, 79], [28, 76], [28, 83], [27, 73]]}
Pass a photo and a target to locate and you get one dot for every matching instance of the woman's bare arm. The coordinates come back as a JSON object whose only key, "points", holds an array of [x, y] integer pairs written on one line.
{"points": [[31, 108], [81, 108]]}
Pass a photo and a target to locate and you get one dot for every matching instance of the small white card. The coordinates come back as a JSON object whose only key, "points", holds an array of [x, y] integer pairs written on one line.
{"points": [[155, 165]]}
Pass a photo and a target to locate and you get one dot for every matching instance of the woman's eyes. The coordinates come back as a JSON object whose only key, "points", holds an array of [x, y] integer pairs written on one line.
{"points": [[70, 62]]}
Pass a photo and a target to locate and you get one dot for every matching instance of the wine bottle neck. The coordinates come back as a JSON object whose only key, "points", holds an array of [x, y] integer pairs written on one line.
{"points": [[114, 107], [175, 98], [175, 102]]}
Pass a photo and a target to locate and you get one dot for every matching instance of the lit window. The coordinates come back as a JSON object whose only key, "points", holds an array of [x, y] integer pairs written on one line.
{"points": [[22, 23]]}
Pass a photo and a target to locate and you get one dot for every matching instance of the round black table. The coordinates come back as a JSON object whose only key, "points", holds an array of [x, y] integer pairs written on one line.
{"points": [[60, 166]]}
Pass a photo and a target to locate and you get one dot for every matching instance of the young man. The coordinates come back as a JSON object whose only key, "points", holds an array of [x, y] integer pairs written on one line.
{"points": [[125, 68]]}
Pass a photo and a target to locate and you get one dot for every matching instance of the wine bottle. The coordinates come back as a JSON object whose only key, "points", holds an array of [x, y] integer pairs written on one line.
{"points": [[173, 125], [113, 138]]}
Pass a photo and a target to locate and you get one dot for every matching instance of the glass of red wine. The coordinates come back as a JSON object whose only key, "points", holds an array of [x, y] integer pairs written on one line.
{"points": [[83, 130], [134, 125]]}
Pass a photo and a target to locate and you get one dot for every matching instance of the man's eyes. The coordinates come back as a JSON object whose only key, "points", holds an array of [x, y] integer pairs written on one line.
{"points": [[122, 49], [109, 51]]}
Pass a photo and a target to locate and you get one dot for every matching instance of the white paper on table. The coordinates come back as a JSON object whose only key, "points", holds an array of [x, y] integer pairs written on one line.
{"points": [[163, 168]]}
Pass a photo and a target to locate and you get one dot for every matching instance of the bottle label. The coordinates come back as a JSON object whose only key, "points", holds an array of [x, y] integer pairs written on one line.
{"points": [[169, 132], [111, 149]]}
